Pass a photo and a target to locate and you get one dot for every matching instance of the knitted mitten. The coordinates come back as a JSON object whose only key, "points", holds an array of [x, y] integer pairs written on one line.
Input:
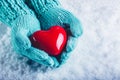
{"points": [[51, 13], [23, 23]]}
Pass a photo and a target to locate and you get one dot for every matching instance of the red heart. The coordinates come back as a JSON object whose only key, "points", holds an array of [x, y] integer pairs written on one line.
{"points": [[52, 41]]}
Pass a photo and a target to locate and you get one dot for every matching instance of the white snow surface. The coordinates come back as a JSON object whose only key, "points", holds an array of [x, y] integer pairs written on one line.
{"points": [[96, 57]]}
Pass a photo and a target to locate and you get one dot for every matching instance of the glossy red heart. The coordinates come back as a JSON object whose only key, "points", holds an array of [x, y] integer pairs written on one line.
{"points": [[51, 41]]}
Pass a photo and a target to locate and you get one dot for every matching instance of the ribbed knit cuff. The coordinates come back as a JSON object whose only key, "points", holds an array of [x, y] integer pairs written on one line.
{"points": [[10, 10], [40, 6]]}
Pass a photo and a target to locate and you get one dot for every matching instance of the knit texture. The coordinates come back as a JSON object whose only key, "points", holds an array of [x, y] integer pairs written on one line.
{"points": [[40, 6], [12, 9]]}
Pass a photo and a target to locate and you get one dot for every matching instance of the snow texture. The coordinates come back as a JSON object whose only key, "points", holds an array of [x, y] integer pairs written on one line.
{"points": [[96, 57]]}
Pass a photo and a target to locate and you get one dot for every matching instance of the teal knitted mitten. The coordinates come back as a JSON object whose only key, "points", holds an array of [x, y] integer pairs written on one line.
{"points": [[51, 13], [23, 23]]}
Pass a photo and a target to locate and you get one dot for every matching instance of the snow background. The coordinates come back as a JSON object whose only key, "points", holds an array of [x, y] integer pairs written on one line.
{"points": [[96, 57]]}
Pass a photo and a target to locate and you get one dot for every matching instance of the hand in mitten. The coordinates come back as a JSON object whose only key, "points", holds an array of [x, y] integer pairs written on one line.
{"points": [[23, 23], [50, 13]]}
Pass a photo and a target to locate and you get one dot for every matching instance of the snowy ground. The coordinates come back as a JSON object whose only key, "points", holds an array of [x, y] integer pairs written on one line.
{"points": [[97, 56]]}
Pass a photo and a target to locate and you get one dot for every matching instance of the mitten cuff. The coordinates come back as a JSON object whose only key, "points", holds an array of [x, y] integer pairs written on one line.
{"points": [[40, 6], [10, 10]]}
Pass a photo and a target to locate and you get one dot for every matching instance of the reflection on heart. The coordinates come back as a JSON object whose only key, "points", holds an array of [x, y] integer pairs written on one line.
{"points": [[52, 41]]}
